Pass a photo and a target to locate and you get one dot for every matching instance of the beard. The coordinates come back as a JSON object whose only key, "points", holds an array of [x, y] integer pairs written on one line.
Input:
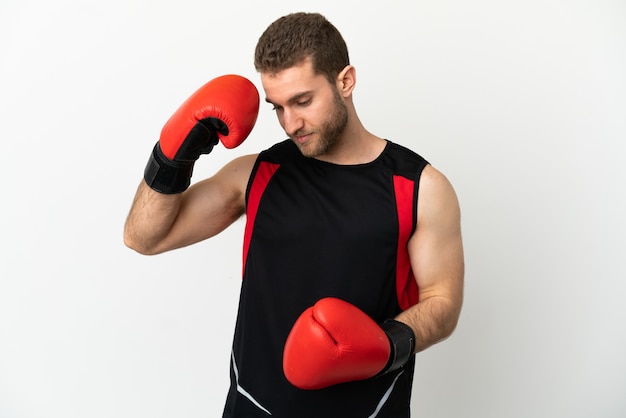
{"points": [[329, 132]]}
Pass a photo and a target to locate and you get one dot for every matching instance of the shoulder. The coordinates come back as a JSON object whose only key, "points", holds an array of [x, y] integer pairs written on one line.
{"points": [[437, 197], [233, 177], [240, 166], [434, 180]]}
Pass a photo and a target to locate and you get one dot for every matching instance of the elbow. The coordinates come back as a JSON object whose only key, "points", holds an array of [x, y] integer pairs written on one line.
{"points": [[139, 246], [451, 326], [452, 321], [448, 318]]}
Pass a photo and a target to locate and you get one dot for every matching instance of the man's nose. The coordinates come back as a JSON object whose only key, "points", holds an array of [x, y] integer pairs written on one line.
{"points": [[292, 122]]}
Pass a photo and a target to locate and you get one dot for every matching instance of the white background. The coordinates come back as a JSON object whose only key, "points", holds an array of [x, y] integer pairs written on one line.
{"points": [[521, 103]]}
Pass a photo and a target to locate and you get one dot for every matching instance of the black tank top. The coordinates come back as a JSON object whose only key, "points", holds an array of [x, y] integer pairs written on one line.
{"points": [[313, 230]]}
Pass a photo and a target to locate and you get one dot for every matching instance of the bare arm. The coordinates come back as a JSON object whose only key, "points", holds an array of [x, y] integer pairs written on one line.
{"points": [[160, 222], [437, 260]]}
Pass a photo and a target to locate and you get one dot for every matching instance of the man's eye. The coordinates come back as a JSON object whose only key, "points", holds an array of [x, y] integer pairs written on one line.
{"points": [[304, 102]]}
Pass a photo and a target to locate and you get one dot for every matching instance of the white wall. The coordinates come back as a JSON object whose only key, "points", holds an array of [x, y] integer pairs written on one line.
{"points": [[521, 104]]}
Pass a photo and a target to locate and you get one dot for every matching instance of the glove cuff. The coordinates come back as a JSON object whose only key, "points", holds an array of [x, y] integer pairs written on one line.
{"points": [[402, 341], [166, 176]]}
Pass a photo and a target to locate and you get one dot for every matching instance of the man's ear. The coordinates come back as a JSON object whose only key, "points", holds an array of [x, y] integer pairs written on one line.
{"points": [[346, 80]]}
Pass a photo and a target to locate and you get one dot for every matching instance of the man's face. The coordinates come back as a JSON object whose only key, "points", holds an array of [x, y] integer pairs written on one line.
{"points": [[309, 108]]}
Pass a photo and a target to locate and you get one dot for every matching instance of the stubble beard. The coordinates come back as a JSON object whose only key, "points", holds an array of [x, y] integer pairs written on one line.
{"points": [[330, 131]]}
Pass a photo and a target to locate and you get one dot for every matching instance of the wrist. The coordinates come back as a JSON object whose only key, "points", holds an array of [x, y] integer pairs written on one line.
{"points": [[166, 176], [402, 342]]}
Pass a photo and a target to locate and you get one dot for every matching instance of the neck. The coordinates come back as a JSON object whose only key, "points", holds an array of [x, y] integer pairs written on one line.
{"points": [[356, 146]]}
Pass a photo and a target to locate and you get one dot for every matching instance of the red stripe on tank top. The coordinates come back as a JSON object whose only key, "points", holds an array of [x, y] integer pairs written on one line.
{"points": [[262, 177], [406, 286]]}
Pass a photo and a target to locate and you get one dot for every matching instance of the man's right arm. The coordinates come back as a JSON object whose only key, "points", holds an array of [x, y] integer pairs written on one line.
{"points": [[160, 222], [166, 213]]}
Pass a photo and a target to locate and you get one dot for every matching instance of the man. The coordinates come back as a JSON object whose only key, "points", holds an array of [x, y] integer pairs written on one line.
{"points": [[353, 257]]}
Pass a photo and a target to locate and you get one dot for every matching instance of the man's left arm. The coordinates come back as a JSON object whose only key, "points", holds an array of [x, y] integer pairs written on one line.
{"points": [[436, 254], [334, 342]]}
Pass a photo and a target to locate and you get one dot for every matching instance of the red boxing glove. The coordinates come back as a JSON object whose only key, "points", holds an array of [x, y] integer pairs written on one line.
{"points": [[224, 109], [334, 342]]}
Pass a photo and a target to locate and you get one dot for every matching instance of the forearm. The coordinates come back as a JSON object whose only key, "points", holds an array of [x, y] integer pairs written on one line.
{"points": [[432, 320], [150, 219]]}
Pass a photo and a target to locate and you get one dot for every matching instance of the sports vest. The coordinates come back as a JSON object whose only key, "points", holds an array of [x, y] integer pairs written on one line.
{"points": [[316, 229]]}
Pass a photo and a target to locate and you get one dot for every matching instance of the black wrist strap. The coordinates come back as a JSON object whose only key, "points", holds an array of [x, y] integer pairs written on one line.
{"points": [[167, 176], [402, 340]]}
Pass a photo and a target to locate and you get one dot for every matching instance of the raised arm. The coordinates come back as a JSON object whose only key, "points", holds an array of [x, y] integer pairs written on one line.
{"points": [[160, 222], [166, 213]]}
